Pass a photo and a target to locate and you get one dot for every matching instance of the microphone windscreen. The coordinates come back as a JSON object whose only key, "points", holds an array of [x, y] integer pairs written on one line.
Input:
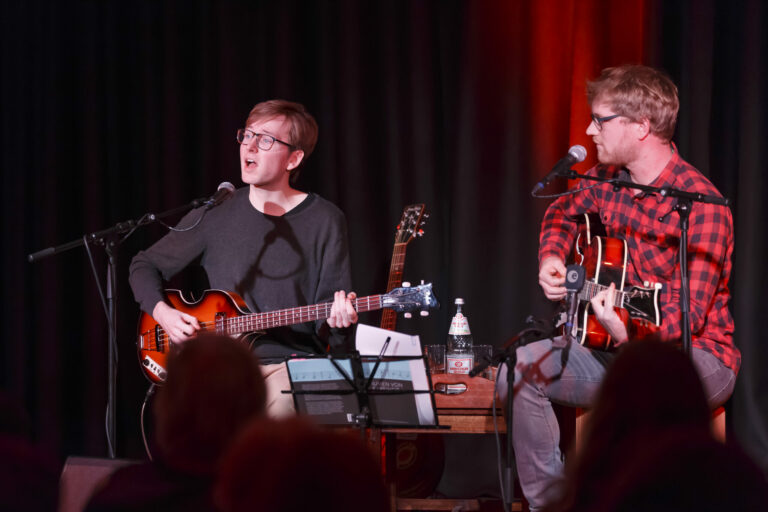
{"points": [[578, 152], [226, 185]]}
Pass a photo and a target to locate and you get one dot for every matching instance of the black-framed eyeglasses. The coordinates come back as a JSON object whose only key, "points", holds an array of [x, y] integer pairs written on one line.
{"points": [[265, 142], [600, 120]]}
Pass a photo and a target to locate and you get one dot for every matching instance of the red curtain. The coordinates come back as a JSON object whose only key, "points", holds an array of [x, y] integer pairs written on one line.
{"points": [[571, 41]]}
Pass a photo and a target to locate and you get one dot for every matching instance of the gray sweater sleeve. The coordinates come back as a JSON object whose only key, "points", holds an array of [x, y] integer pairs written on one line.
{"points": [[273, 263], [163, 260], [335, 274]]}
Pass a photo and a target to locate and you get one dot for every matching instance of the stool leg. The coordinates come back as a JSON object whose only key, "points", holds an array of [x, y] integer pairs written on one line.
{"points": [[718, 424], [582, 417]]}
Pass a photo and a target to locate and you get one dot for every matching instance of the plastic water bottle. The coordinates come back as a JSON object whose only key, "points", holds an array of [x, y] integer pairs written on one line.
{"points": [[459, 357]]}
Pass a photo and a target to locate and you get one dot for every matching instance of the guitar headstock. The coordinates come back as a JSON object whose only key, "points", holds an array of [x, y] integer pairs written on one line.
{"points": [[411, 298], [413, 219]]}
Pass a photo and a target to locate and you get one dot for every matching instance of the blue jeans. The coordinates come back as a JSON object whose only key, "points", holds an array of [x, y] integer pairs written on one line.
{"points": [[572, 377]]}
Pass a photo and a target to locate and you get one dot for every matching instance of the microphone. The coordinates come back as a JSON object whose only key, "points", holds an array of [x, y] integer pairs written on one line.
{"points": [[481, 365], [223, 192], [575, 154], [574, 282]]}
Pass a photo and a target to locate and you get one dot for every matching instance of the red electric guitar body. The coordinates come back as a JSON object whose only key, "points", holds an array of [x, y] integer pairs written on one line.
{"points": [[605, 261]]}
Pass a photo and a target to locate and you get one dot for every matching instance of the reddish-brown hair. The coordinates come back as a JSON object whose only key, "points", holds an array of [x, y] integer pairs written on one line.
{"points": [[639, 92]]}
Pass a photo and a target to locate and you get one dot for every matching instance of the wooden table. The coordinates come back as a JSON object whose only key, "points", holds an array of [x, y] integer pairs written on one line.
{"points": [[468, 412]]}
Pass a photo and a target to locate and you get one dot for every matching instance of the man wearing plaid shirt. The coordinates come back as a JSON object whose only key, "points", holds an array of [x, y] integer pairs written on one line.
{"points": [[634, 110]]}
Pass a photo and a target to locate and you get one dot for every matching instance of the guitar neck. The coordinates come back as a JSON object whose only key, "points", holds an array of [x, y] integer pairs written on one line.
{"points": [[388, 316], [292, 316], [591, 289]]}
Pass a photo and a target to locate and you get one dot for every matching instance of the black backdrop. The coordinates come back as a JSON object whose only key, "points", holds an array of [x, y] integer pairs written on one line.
{"points": [[113, 109]]}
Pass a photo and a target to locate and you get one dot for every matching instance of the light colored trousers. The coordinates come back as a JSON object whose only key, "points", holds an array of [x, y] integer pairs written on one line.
{"points": [[279, 404], [546, 374]]}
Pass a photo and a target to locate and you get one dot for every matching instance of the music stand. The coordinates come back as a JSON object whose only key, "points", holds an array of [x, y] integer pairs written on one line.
{"points": [[389, 389]]}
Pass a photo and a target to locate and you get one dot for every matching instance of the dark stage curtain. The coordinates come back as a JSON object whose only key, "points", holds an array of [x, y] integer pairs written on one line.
{"points": [[113, 109], [717, 52]]}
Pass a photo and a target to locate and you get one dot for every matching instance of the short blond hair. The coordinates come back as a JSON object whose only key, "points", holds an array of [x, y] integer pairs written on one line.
{"points": [[639, 92], [303, 131]]}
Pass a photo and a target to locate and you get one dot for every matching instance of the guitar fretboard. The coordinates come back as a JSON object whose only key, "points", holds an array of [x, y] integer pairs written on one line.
{"points": [[389, 317], [282, 317], [591, 289]]}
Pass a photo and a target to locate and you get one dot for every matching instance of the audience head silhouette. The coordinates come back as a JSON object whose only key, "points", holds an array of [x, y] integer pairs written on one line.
{"points": [[680, 469], [214, 386], [29, 474], [292, 466], [213, 389], [650, 388]]}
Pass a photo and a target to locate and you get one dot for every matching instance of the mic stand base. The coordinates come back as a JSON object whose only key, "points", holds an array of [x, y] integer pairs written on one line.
{"points": [[535, 333], [684, 211], [508, 492], [111, 350]]}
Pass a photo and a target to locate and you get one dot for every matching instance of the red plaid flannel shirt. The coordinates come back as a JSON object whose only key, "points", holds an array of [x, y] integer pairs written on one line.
{"points": [[651, 228]]}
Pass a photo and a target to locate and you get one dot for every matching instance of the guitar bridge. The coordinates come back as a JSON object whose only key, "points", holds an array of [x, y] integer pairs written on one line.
{"points": [[159, 343]]}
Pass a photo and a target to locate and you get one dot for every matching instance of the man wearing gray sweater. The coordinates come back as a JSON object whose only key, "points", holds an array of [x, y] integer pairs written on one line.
{"points": [[275, 246]]}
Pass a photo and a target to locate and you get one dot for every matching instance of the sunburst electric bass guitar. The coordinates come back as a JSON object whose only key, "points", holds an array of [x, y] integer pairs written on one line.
{"points": [[226, 313]]}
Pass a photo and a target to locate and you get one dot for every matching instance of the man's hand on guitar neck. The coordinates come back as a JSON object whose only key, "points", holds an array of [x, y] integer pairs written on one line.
{"points": [[602, 305], [179, 325], [552, 278], [343, 314]]}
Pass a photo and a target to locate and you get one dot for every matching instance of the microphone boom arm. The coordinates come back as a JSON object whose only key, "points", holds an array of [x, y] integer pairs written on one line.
{"points": [[223, 192]]}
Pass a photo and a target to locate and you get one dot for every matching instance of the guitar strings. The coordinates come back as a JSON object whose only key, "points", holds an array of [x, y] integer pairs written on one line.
{"points": [[253, 321], [593, 289]]}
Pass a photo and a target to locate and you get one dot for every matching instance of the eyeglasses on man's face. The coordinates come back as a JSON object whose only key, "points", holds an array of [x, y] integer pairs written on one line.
{"points": [[600, 120], [265, 142]]}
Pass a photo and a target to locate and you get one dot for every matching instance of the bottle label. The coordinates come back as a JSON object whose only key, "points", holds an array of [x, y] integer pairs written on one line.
{"points": [[459, 325], [459, 363]]}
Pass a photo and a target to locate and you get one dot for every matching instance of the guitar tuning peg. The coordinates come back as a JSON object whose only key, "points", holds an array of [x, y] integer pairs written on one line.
{"points": [[407, 315], [657, 286], [406, 284], [646, 284], [424, 312]]}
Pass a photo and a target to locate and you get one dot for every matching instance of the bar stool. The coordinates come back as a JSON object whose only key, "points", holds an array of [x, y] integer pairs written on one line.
{"points": [[581, 417]]}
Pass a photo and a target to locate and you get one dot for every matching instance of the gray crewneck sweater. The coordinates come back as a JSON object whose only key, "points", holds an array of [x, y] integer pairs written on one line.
{"points": [[296, 259]]}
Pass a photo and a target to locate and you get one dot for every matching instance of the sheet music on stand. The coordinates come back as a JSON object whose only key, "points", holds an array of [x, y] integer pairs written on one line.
{"points": [[336, 391]]}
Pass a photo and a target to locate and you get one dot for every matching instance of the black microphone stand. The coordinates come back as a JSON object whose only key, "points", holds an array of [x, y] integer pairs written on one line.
{"points": [[508, 355], [109, 239], [684, 204]]}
